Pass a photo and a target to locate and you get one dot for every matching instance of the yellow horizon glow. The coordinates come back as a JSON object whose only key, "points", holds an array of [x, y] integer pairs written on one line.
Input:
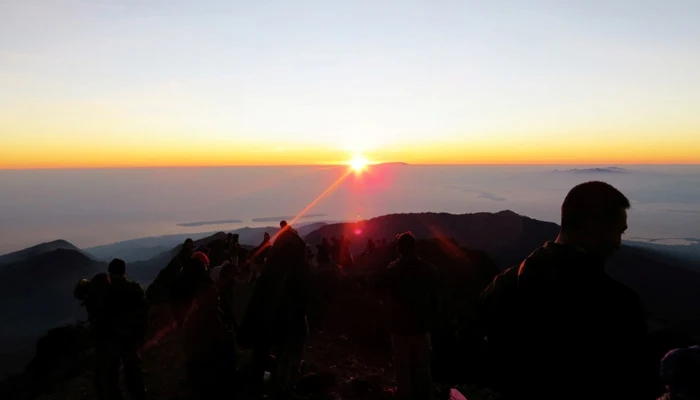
{"points": [[95, 157], [121, 151]]}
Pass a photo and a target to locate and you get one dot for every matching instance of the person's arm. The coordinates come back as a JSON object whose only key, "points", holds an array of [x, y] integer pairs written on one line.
{"points": [[491, 300]]}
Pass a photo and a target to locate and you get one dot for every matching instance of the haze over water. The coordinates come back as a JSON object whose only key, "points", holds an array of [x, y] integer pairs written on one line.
{"points": [[91, 207]]}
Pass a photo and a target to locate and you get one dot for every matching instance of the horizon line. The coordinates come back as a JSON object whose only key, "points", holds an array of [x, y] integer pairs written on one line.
{"points": [[610, 164]]}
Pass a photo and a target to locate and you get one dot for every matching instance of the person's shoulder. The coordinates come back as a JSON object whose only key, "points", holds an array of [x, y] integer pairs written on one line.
{"points": [[133, 286], [505, 281], [623, 293]]}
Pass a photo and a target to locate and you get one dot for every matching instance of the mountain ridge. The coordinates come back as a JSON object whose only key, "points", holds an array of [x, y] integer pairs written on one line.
{"points": [[40, 248]]}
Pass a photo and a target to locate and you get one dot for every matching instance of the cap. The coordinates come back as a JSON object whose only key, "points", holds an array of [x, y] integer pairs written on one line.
{"points": [[201, 257]]}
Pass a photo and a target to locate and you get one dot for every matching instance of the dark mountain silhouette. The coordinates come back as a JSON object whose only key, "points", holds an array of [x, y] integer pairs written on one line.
{"points": [[141, 248], [668, 291], [603, 170], [38, 294], [29, 252], [505, 236], [150, 248], [687, 256]]}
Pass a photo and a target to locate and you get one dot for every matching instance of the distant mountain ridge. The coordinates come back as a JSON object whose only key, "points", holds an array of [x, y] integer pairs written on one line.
{"points": [[41, 248], [38, 294], [598, 170], [506, 236], [148, 248]]}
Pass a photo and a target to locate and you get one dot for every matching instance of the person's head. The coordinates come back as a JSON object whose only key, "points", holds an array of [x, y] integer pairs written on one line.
{"points": [[236, 237], [266, 236], [283, 224], [229, 236], [406, 244], [117, 268], [594, 216], [680, 371], [188, 246]]}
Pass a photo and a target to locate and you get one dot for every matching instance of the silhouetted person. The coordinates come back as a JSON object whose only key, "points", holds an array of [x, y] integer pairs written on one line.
{"points": [[283, 224], [276, 315], [234, 248], [260, 253], [341, 251], [680, 372], [409, 285], [158, 291], [188, 247], [91, 293], [335, 249], [323, 255], [558, 325], [123, 330], [370, 246], [207, 344]]}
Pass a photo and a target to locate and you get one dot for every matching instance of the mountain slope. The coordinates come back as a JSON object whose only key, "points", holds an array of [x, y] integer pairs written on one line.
{"points": [[38, 294], [148, 248], [29, 252], [505, 236], [668, 291]]}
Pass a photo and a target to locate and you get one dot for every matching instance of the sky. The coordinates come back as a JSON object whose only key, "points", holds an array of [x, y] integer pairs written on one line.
{"points": [[109, 83]]}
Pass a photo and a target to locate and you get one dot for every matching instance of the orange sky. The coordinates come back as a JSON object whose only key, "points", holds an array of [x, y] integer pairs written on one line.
{"points": [[197, 153], [223, 83]]}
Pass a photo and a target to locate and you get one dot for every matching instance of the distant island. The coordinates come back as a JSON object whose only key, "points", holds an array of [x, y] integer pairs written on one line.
{"points": [[201, 223], [277, 219], [391, 164], [599, 170]]}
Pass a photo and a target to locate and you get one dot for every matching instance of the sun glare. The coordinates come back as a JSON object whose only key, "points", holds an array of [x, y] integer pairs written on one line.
{"points": [[358, 163]]}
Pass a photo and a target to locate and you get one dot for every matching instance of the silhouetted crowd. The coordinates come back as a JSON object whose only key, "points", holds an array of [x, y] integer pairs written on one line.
{"points": [[556, 326]]}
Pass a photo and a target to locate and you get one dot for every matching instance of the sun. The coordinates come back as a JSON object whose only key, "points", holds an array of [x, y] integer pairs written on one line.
{"points": [[358, 163]]}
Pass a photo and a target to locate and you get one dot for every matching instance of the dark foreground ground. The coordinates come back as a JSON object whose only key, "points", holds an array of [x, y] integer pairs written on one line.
{"points": [[350, 373]]}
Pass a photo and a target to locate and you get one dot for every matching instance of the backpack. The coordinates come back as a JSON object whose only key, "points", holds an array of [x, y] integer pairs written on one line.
{"points": [[90, 293]]}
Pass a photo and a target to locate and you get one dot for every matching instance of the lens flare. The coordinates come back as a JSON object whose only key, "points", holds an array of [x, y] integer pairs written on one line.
{"points": [[358, 163]]}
